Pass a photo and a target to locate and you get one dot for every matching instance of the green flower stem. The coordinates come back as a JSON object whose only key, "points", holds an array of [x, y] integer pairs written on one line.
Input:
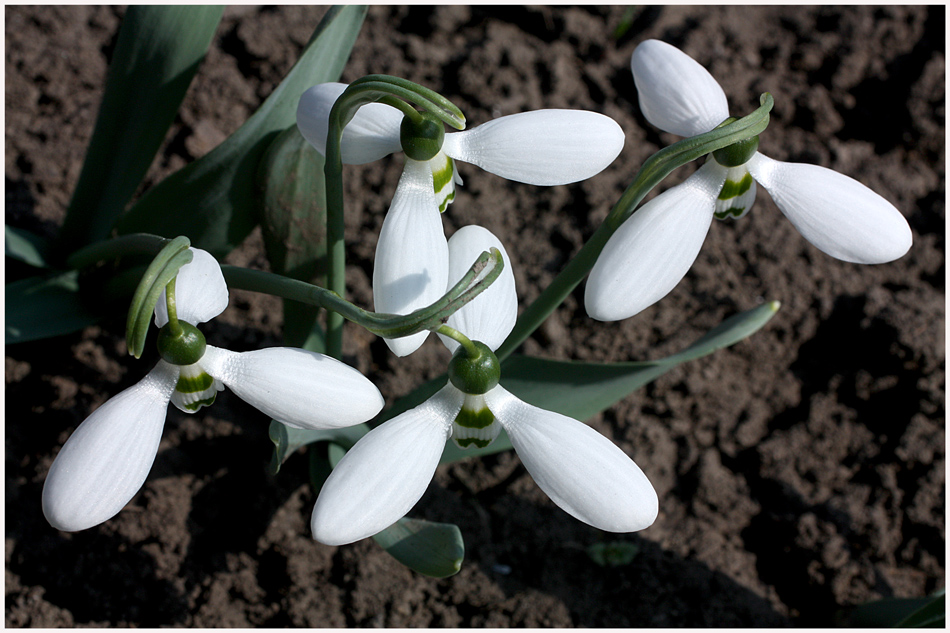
{"points": [[463, 340], [372, 88], [174, 327], [653, 171], [476, 280]]}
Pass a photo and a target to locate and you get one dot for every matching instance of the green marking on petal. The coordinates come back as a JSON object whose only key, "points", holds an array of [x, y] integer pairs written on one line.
{"points": [[193, 384], [480, 419], [442, 173], [194, 406], [472, 441], [732, 189], [443, 180], [733, 212], [475, 425], [447, 201], [195, 388]]}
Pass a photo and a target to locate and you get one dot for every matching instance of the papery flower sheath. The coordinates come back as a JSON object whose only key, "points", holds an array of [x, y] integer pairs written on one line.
{"points": [[106, 460], [543, 147], [652, 251], [386, 472]]}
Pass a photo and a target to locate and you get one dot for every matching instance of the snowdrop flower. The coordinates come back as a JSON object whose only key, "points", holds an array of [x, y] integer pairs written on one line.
{"points": [[383, 476], [651, 252], [106, 460], [544, 147]]}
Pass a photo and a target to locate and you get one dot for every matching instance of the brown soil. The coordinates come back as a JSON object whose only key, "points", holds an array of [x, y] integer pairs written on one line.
{"points": [[799, 473]]}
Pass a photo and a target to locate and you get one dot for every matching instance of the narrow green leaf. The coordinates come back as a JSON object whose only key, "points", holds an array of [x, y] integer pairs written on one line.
{"points": [[25, 246], [158, 51], [294, 222], [287, 440], [926, 612], [212, 200], [433, 549], [41, 307], [581, 390], [931, 615]]}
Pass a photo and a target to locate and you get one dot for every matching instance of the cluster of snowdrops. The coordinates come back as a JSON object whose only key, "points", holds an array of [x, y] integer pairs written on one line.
{"points": [[107, 459]]}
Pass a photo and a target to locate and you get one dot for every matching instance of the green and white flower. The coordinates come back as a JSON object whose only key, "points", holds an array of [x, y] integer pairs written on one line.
{"points": [[652, 251], [383, 476], [544, 147], [106, 460]]}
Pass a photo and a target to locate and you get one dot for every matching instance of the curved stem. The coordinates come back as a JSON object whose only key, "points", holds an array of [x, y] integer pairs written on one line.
{"points": [[372, 88], [464, 341], [653, 171], [173, 324], [431, 317]]}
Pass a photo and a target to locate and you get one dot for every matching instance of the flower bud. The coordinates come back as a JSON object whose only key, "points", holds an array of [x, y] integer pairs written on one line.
{"points": [[474, 374], [421, 139], [185, 348]]}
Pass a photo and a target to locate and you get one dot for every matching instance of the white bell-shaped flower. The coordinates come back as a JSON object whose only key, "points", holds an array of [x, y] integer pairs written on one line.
{"points": [[107, 459], [649, 254], [543, 147], [383, 476]]}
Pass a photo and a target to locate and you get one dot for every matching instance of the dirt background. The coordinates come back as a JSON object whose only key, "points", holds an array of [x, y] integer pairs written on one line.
{"points": [[799, 473]]}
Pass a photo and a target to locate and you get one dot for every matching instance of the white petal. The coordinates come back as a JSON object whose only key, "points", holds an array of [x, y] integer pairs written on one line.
{"points": [[676, 93], [200, 291], [653, 250], [490, 317], [302, 389], [372, 134], [379, 480], [106, 460], [837, 214], [543, 147], [412, 255], [582, 471]]}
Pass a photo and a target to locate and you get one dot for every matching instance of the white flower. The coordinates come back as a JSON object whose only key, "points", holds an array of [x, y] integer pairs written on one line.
{"points": [[106, 460], [383, 476], [651, 252], [544, 147]]}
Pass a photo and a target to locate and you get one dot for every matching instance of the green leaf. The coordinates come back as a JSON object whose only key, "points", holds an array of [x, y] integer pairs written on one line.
{"points": [[294, 222], [581, 390], [212, 200], [287, 440], [25, 246], [433, 549], [41, 307], [926, 612], [158, 51], [931, 615]]}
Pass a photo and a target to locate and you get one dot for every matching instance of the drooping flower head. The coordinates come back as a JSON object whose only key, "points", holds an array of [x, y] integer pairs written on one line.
{"points": [[383, 476], [106, 460], [543, 147], [651, 252]]}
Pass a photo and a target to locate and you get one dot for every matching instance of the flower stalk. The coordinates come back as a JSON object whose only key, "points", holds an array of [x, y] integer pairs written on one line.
{"points": [[372, 88], [653, 171]]}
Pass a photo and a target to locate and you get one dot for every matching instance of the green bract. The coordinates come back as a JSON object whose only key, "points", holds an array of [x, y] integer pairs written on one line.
{"points": [[421, 138], [474, 374], [181, 348]]}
